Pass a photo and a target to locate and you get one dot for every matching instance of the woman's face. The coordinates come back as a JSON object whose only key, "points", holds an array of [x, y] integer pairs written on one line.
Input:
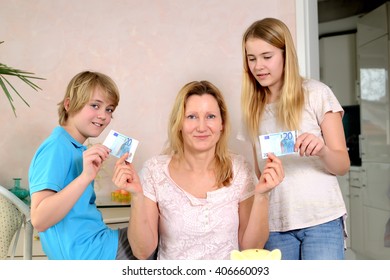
{"points": [[202, 124], [266, 63]]}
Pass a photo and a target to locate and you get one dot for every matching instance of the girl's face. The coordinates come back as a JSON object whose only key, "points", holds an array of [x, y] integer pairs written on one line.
{"points": [[202, 124], [266, 63], [92, 119]]}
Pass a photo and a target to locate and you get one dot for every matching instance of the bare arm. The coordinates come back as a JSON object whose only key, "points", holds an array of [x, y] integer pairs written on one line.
{"points": [[49, 207], [333, 150], [143, 223], [254, 226]]}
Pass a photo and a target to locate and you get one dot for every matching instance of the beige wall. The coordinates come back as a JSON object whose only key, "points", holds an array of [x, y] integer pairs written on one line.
{"points": [[150, 48]]}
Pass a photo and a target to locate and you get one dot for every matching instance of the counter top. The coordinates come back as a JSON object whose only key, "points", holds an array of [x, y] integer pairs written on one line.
{"points": [[107, 202]]}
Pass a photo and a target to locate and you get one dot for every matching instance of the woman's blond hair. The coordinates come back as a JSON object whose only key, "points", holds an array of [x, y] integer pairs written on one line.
{"points": [[175, 146], [80, 90], [254, 96]]}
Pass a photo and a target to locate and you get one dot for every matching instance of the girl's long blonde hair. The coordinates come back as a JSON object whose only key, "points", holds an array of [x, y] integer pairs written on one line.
{"points": [[254, 96], [223, 165]]}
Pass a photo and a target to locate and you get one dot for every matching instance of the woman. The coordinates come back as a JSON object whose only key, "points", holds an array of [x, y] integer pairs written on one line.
{"points": [[307, 211], [198, 200]]}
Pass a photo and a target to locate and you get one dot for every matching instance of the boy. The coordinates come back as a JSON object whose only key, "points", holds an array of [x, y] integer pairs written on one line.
{"points": [[62, 173]]}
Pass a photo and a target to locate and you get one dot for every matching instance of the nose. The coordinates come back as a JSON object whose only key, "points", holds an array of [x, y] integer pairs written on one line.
{"points": [[201, 125], [102, 115], [258, 64]]}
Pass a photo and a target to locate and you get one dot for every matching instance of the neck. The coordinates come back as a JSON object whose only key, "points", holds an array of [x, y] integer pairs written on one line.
{"points": [[197, 162]]}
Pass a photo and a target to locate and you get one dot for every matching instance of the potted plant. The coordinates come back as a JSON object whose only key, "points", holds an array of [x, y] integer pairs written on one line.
{"points": [[22, 75]]}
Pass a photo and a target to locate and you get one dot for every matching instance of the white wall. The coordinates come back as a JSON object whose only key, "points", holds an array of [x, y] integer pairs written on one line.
{"points": [[150, 48]]}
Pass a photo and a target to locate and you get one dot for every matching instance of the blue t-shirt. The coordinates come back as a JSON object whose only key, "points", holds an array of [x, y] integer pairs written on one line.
{"points": [[81, 234]]}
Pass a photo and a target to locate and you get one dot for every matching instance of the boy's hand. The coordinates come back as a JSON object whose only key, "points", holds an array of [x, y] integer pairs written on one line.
{"points": [[93, 159], [125, 177]]}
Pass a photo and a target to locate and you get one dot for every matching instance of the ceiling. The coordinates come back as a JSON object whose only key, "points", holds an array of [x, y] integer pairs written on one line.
{"points": [[330, 10]]}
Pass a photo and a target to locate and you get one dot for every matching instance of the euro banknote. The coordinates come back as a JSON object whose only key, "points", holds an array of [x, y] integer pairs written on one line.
{"points": [[120, 144], [280, 144]]}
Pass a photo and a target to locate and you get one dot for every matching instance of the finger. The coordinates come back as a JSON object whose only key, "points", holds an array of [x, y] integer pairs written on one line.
{"points": [[122, 159]]}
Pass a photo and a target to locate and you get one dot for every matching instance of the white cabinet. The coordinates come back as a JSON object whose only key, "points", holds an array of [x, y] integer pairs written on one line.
{"points": [[356, 211], [373, 65], [338, 66], [376, 209], [344, 187], [357, 225], [370, 204]]}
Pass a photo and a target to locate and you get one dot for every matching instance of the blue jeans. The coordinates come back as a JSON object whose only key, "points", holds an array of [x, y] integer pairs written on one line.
{"points": [[321, 242]]}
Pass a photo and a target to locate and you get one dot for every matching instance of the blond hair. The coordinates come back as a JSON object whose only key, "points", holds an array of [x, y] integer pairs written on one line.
{"points": [[80, 90], [254, 96], [223, 166]]}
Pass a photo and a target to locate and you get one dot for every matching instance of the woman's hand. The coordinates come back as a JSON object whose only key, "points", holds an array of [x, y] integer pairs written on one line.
{"points": [[272, 175], [309, 145], [125, 177]]}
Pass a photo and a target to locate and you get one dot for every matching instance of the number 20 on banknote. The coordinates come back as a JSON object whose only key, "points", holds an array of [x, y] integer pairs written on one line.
{"points": [[280, 144], [120, 144]]}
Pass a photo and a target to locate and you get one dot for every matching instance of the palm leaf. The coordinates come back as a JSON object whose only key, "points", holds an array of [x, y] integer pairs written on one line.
{"points": [[24, 76]]}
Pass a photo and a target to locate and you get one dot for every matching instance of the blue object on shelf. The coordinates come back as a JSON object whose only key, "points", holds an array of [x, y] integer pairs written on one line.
{"points": [[18, 191]]}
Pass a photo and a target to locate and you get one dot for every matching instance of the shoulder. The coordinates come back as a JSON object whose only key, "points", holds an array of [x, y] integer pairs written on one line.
{"points": [[55, 143], [158, 160], [316, 91], [240, 163], [237, 159], [314, 86], [155, 165]]}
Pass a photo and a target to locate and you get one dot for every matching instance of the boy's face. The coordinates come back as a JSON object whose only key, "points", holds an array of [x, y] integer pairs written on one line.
{"points": [[92, 119]]}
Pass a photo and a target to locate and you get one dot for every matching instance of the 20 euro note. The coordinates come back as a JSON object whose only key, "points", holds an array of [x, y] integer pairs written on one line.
{"points": [[121, 144], [280, 144]]}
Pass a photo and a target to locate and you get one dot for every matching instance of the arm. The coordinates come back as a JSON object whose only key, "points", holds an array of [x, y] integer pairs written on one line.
{"points": [[333, 150], [253, 212], [49, 207], [143, 223], [257, 169]]}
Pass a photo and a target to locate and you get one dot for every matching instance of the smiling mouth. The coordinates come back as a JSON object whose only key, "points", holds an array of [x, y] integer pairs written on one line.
{"points": [[97, 124]]}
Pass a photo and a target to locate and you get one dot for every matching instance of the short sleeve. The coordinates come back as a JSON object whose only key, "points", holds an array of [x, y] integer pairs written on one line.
{"points": [[322, 99], [244, 177], [146, 178], [49, 168]]}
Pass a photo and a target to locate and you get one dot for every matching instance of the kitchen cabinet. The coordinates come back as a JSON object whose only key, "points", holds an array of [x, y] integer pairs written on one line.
{"points": [[344, 187], [373, 66], [376, 209], [370, 203], [356, 220], [338, 66]]}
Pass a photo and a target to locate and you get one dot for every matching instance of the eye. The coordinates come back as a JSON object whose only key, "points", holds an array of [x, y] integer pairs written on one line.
{"points": [[95, 105], [191, 117], [251, 59], [268, 57], [211, 116], [110, 110]]}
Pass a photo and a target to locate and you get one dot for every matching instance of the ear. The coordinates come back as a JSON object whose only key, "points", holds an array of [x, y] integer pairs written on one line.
{"points": [[66, 104]]}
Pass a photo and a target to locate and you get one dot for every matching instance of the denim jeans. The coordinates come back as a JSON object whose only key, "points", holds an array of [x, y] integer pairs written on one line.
{"points": [[321, 242]]}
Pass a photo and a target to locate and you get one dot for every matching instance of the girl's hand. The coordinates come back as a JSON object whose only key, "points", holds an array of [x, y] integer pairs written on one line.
{"points": [[125, 177], [272, 175], [93, 159], [309, 145]]}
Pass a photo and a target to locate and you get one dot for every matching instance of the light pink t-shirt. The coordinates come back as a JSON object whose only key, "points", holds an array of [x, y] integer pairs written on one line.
{"points": [[309, 195], [194, 228]]}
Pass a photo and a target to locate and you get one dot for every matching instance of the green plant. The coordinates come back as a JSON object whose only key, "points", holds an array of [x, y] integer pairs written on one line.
{"points": [[22, 75]]}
